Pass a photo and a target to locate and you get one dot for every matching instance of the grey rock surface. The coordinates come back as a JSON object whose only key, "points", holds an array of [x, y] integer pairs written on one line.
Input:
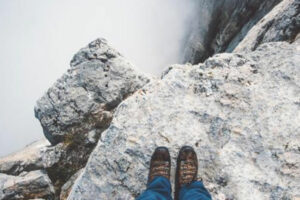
{"points": [[28, 185], [83, 98], [281, 24], [240, 112], [79, 106], [220, 25], [38, 155]]}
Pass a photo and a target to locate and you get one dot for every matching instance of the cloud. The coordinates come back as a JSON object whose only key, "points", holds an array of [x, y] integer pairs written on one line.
{"points": [[39, 38]]}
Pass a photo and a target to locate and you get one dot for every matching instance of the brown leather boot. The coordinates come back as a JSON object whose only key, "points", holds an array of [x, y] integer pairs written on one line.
{"points": [[187, 168], [160, 164]]}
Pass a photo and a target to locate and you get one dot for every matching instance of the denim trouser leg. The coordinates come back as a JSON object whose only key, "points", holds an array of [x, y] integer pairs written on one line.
{"points": [[158, 189], [194, 191]]}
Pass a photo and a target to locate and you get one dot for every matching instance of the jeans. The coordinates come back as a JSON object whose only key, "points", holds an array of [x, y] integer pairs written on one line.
{"points": [[160, 189]]}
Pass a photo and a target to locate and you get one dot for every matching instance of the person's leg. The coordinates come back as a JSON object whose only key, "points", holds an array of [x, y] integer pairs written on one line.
{"points": [[187, 187], [158, 189], [194, 191]]}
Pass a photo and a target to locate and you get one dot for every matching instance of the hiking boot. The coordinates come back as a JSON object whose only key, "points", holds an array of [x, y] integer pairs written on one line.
{"points": [[187, 168], [160, 164]]}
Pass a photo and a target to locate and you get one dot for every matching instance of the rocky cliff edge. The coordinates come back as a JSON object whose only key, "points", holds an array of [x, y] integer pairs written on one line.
{"points": [[240, 111]]}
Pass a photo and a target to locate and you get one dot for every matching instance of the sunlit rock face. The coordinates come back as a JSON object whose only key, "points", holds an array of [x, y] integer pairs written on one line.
{"points": [[220, 25], [240, 111]]}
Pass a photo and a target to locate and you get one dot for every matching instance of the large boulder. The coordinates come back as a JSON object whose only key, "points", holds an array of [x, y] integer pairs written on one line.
{"points": [[240, 112], [83, 99], [80, 105], [28, 185]]}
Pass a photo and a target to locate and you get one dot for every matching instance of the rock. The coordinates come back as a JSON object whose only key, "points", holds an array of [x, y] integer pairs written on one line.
{"points": [[31, 185], [80, 105], [38, 155], [240, 112], [281, 24], [220, 25], [83, 98], [66, 188]]}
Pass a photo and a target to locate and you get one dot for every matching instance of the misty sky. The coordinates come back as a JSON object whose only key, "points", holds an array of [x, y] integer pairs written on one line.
{"points": [[38, 39]]}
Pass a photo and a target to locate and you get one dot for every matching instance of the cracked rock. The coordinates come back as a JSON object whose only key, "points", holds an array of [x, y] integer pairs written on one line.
{"points": [[237, 110], [38, 155], [28, 185], [84, 97]]}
